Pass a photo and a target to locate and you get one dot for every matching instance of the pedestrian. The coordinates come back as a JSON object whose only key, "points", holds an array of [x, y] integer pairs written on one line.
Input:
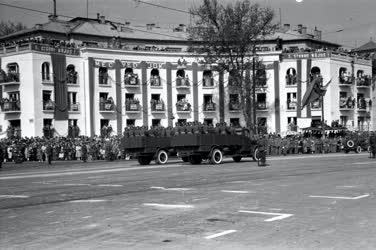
{"points": [[49, 153], [263, 144], [84, 152], [1, 156]]}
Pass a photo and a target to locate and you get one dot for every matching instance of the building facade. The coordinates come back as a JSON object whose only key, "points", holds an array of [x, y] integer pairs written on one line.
{"points": [[122, 78]]}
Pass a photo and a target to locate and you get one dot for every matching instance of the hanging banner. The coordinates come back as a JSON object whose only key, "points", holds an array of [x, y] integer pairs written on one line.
{"points": [[60, 86]]}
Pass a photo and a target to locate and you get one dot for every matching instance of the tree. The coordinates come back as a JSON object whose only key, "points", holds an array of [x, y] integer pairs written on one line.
{"points": [[228, 36], [9, 27]]}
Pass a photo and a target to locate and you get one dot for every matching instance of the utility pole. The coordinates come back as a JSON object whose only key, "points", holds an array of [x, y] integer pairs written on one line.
{"points": [[55, 14], [87, 8], [254, 110]]}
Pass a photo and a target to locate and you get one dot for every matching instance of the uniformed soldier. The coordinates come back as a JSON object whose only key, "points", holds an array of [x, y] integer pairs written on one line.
{"points": [[372, 143], [263, 143]]}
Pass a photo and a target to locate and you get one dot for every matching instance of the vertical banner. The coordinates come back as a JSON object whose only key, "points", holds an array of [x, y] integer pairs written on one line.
{"points": [[277, 104], [195, 91], [221, 98], [169, 94], [119, 104], [91, 96], [299, 89], [309, 65], [60, 86], [145, 107]]}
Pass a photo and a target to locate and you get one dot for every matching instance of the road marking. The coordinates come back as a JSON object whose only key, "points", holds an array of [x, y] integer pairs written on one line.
{"points": [[109, 185], [340, 197], [364, 163], [235, 191], [220, 234], [13, 196], [346, 186], [86, 217], [278, 216], [12, 216], [167, 205], [89, 201], [55, 222], [313, 156], [50, 212], [275, 209], [237, 182], [76, 184], [171, 189]]}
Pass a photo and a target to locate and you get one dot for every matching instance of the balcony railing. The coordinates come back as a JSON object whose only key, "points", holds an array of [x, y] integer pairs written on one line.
{"points": [[74, 107], [103, 80], [182, 83], [183, 106], [10, 106], [209, 107], [363, 82], [290, 80], [48, 106], [291, 105], [316, 105], [362, 105], [157, 106], [106, 106], [345, 81], [47, 79], [132, 81], [261, 106], [71, 77], [234, 107], [208, 82], [155, 81], [132, 106], [9, 79], [346, 104]]}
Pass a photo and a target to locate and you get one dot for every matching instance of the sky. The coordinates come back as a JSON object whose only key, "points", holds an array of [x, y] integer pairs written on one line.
{"points": [[354, 17]]}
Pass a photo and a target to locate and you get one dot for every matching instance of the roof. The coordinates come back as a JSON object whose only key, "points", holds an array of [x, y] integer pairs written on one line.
{"points": [[371, 45]]}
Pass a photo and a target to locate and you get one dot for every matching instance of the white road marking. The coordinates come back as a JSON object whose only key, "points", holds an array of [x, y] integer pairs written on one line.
{"points": [[76, 184], [235, 191], [364, 163], [237, 182], [55, 222], [12, 216], [86, 217], [88, 201], [346, 186], [168, 205], [171, 189], [109, 185], [340, 197], [275, 209], [50, 212], [313, 156], [219, 234], [278, 216], [13, 196]]}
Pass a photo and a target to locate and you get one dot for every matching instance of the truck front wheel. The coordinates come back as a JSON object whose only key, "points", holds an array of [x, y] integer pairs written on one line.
{"points": [[162, 157], [216, 156]]}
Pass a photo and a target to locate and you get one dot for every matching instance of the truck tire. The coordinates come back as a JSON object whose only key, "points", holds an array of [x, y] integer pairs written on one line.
{"points": [[216, 156], [185, 159], [358, 149], [195, 159], [256, 156], [237, 158], [144, 160], [162, 157]]}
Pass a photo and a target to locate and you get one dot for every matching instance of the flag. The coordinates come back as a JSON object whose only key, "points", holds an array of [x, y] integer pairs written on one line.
{"points": [[60, 86], [314, 91]]}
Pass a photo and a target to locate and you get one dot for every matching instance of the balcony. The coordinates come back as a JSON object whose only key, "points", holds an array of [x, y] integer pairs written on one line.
{"points": [[262, 106], [155, 82], [103, 81], [345, 81], [9, 107], [74, 107], [291, 81], [48, 106], [208, 83], [234, 107], [363, 82], [106, 106], [132, 106], [182, 83], [362, 105], [291, 105], [71, 78], [9, 79], [316, 105], [157, 106], [209, 107], [183, 107], [132, 81], [346, 104]]}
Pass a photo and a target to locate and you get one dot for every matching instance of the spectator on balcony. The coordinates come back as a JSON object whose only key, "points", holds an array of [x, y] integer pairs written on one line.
{"points": [[3, 76]]}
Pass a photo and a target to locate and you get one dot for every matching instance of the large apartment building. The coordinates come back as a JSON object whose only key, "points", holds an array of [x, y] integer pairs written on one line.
{"points": [[89, 73]]}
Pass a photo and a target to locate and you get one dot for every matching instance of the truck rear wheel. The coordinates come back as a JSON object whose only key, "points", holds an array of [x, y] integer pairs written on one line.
{"points": [[195, 159], [358, 149], [144, 160], [256, 154], [162, 157], [216, 156], [237, 158]]}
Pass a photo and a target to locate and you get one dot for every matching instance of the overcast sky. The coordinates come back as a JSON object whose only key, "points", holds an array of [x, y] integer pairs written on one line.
{"points": [[355, 17]]}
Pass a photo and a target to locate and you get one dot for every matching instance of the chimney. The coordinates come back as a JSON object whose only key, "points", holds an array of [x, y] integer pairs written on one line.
{"points": [[55, 14], [98, 15], [286, 26], [304, 30], [300, 27], [102, 19]]}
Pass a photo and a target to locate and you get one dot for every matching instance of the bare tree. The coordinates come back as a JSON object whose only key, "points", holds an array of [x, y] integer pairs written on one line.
{"points": [[228, 35], [9, 27]]}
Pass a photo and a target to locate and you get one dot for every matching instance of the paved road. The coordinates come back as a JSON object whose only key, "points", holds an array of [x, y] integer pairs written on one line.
{"points": [[299, 202]]}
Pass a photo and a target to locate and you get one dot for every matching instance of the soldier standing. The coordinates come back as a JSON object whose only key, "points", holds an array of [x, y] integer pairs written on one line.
{"points": [[372, 143], [262, 151], [49, 153]]}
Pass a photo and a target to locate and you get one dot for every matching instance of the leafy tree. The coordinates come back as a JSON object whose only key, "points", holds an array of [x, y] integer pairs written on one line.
{"points": [[228, 35], [9, 27]]}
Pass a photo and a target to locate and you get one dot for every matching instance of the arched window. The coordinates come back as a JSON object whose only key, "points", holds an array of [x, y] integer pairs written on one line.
{"points": [[154, 77], [315, 72], [128, 71], [46, 71], [291, 76], [130, 78], [343, 75], [180, 73], [13, 72], [261, 77], [103, 75], [71, 74], [208, 80], [359, 73]]}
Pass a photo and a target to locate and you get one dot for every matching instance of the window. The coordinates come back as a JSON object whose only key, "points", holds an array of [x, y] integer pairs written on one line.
{"points": [[72, 97], [315, 72], [208, 121], [128, 71], [156, 122], [291, 76], [129, 96], [71, 77], [154, 72], [261, 76], [154, 77], [103, 96], [343, 120], [46, 71], [72, 122], [104, 122], [234, 102], [156, 97], [13, 68], [180, 73], [234, 122], [359, 73], [292, 123], [46, 95], [103, 75], [13, 73], [291, 101], [182, 121], [180, 97], [207, 78], [130, 122]]}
